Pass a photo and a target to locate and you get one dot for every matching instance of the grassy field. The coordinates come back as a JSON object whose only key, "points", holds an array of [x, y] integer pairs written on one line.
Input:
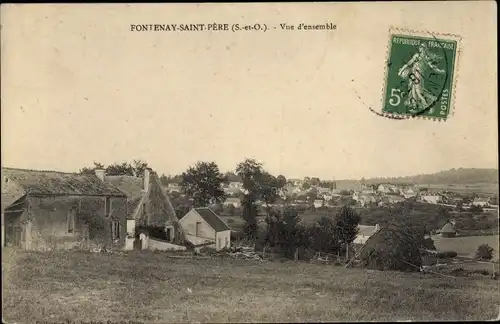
{"points": [[466, 246], [150, 287]]}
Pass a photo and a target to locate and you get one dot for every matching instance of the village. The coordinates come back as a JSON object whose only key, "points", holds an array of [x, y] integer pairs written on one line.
{"points": [[49, 210], [131, 214], [239, 163]]}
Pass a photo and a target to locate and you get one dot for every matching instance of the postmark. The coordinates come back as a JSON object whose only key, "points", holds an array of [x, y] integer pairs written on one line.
{"points": [[421, 74]]}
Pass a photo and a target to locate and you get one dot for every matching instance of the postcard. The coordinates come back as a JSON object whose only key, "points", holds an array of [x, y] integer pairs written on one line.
{"points": [[249, 162]]}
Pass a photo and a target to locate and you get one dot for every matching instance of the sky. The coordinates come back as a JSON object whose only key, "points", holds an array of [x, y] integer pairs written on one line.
{"points": [[78, 86]]}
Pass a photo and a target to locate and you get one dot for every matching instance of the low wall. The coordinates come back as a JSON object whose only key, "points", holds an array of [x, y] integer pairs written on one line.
{"points": [[197, 240], [154, 244], [129, 243], [198, 248]]}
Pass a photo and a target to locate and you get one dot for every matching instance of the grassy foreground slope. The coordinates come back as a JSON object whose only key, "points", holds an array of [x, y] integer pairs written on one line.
{"points": [[150, 287]]}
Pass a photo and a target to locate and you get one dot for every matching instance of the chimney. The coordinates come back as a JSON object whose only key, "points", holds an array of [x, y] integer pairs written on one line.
{"points": [[377, 227], [147, 173], [100, 173]]}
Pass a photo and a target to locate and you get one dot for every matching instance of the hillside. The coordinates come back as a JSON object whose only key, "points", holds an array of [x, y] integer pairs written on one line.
{"points": [[448, 177], [70, 287], [453, 176]]}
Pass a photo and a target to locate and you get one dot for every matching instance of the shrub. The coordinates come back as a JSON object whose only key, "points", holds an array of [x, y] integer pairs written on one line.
{"points": [[447, 254], [484, 252], [237, 236]]}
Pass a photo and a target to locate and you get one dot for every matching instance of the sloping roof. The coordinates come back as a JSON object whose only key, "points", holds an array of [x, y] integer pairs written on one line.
{"points": [[8, 199], [131, 186], [366, 230], [448, 228], [212, 219], [10, 193], [55, 183]]}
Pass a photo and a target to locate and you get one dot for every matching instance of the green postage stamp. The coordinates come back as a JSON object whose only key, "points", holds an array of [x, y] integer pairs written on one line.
{"points": [[420, 74]]}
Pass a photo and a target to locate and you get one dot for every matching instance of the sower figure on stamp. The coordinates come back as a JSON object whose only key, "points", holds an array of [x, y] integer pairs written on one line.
{"points": [[415, 70]]}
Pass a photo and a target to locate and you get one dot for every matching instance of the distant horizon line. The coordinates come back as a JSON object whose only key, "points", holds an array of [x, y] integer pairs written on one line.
{"points": [[291, 178]]}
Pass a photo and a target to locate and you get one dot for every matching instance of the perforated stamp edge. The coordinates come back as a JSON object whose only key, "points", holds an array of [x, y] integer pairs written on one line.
{"points": [[422, 33]]}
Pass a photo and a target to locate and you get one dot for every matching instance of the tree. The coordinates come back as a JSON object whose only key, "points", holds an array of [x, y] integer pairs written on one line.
{"points": [[281, 181], [324, 237], [476, 209], [139, 166], [91, 170], [306, 186], [292, 235], [346, 224], [203, 183], [250, 171], [232, 177], [284, 231], [484, 252], [135, 169], [249, 215], [268, 188], [315, 181], [117, 169]]}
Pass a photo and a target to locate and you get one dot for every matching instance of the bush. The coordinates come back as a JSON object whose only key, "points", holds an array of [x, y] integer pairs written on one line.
{"points": [[237, 236], [447, 254], [484, 252]]}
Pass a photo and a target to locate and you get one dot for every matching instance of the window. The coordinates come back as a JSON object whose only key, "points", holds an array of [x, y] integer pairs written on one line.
{"points": [[198, 225], [107, 206], [220, 242], [71, 220], [86, 232], [115, 230], [227, 242]]}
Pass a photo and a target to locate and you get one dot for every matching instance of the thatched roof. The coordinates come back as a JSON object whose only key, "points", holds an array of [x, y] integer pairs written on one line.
{"points": [[53, 183], [391, 249], [133, 187]]}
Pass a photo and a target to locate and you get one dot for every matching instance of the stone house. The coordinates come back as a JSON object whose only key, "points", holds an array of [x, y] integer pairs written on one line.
{"points": [[52, 210], [202, 227], [231, 201], [481, 202], [431, 198], [149, 208]]}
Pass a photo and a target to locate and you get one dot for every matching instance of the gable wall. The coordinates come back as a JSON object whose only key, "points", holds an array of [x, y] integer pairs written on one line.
{"points": [[188, 223]]}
